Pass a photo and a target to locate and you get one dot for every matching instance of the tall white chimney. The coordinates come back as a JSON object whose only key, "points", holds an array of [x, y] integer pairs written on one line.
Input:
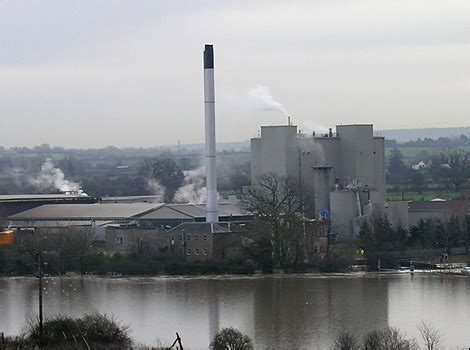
{"points": [[209, 107]]}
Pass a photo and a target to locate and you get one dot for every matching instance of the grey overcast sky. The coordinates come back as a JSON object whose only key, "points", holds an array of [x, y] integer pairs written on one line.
{"points": [[91, 73]]}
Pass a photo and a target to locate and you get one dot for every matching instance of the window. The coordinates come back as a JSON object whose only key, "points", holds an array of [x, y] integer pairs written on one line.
{"points": [[181, 251], [196, 252], [315, 249], [188, 251], [119, 240], [196, 237], [204, 252], [204, 237], [181, 237], [188, 237]]}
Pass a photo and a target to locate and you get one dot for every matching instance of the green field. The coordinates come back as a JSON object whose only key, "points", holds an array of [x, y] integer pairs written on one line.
{"points": [[413, 152], [424, 196]]}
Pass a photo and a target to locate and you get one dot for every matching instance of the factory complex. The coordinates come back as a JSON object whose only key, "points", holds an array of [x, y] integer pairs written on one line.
{"points": [[341, 175]]}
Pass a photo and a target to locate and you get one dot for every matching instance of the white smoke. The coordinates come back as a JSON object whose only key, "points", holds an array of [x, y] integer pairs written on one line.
{"points": [[49, 176], [193, 190], [156, 188], [261, 98], [309, 126]]}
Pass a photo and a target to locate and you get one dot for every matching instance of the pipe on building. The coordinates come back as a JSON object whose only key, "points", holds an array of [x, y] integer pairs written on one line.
{"points": [[209, 108], [359, 207]]}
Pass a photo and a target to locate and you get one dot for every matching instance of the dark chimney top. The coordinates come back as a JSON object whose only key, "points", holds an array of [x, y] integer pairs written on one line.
{"points": [[209, 56]]}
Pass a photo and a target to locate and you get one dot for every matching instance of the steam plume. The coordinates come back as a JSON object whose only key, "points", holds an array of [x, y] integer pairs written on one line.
{"points": [[156, 188], [193, 190], [262, 100], [51, 177]]}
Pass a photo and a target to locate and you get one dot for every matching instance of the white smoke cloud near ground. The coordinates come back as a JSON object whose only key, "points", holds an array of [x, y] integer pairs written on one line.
{"points": [[193, 189], [261, 99], [52, 177], [156, 188]]}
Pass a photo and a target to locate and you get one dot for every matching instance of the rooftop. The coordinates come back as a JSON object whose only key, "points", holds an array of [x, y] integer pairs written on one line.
{"points": [[42, 197], [104, 211], [198, 227], [119, 211]]}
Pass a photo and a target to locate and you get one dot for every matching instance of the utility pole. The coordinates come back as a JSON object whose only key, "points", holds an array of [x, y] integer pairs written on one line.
{"points": [[40, 298]]}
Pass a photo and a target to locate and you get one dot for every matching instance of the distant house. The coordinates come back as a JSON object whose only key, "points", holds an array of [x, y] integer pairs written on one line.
{"points": [[420, 164]]}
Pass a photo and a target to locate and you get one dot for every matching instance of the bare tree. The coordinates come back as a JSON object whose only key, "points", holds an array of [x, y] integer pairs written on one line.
{"points": [[277, 204], [390, 339], [455, 169], [431, 336], [346, 341]]}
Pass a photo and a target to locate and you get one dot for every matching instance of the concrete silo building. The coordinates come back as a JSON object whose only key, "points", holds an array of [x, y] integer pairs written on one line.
{"points": [[343, 173]]}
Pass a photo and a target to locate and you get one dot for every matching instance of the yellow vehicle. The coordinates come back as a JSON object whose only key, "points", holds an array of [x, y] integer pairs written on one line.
{"points": [[6, 236]]}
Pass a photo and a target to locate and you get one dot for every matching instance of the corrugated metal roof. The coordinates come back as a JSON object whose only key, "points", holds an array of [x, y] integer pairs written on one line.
{"points": [[199, 210], [192, 210], [166, 213], [57, 223], [96, 210], [199, 227], [116, 211], [41, 197]]}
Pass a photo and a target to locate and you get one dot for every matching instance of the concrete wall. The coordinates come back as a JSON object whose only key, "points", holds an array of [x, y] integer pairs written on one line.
{"points": [[276, 152], [315, 239], [379, 168], [415, 216], [397, 213], [135, 240], [344, 208], [357, 153], [192, 246], [322, 187]]}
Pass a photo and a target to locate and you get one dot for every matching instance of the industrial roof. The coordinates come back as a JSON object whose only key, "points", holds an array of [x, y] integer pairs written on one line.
{"points": [[166, 212], [198, 227], [199, 210], [132, 199], [41, 197], [193, 210], [57, 223], [117, 211], [82, 211]]}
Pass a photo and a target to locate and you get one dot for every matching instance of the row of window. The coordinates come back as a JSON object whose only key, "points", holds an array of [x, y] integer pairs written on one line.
{"points": [[120, 240], [196, 252], [196, 237], [321, 250]]}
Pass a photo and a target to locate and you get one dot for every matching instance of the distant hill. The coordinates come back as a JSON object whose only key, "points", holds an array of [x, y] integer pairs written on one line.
{"points": [[403, 135]]}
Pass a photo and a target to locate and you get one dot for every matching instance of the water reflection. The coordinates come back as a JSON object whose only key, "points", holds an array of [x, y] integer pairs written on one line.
{"points": [[302, 312]]}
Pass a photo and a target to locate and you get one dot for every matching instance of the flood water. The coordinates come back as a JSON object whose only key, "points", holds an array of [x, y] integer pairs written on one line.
{"points": [[277, 312]]}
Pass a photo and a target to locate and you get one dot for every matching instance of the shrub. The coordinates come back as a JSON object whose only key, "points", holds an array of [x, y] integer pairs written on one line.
{"points": [[96, 331], [231, 339], [390, 339], [335, 263]]}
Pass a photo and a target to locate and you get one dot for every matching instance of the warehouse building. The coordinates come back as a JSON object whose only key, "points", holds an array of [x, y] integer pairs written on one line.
{"points": [[12, 204], [118, 227]]}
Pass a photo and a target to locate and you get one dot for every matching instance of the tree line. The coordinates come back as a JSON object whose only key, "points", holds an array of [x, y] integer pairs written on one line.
{"points": [[443, 142], [379, 239], [449, 171]]}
